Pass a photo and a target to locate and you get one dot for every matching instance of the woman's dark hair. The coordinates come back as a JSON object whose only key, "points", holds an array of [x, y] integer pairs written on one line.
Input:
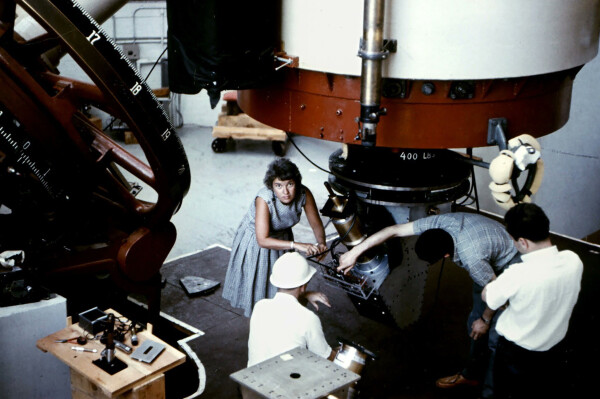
{"points": [[433, 244], [527, 221], [283, 169]]}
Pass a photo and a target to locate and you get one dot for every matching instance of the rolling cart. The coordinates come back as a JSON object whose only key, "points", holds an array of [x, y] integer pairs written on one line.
{"points": [[234, 124]]}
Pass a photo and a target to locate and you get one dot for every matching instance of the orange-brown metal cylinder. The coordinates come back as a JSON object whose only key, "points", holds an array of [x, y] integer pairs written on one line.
{"points": [[420, 114]]}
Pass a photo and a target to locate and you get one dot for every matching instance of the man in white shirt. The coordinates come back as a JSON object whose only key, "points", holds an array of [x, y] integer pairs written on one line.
{"points": [[540, 294], [282, 323], [484, 249]]}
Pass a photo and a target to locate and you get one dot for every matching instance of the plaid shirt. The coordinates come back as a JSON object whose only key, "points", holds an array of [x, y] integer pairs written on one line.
{"points": [[481, 245]]}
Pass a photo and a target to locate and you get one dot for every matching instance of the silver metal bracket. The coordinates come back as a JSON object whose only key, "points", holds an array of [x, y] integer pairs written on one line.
{"points": [[496, 135], [389, 46], [286, 61]]}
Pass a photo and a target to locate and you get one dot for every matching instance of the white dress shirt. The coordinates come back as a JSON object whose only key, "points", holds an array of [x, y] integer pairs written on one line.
{"points": [[541, 293], [280, 324]]}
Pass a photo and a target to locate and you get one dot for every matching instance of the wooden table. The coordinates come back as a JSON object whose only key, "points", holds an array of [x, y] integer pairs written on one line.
{"points": [[90, 381]]}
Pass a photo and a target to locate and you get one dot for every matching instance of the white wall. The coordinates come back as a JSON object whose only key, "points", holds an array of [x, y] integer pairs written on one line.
{"points": [[570, 192], [196, 110]]}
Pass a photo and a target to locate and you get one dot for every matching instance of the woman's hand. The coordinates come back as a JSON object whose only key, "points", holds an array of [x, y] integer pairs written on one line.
{"points": [[322, 250], [310, 249], [314, 296]]}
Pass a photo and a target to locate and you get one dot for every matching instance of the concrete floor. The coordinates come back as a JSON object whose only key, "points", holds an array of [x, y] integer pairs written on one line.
{"points": [[223, 185]]}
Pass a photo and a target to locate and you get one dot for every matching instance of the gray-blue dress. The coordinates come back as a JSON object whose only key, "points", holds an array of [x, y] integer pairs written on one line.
{"points": [[247, 279]]}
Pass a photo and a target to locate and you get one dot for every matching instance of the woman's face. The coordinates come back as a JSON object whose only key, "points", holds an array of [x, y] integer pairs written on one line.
{"points": [[285, 190]]}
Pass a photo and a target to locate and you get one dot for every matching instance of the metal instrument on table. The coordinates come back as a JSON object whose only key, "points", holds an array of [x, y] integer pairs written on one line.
{"points": [[108, 354], [82, 349], [120, 345], [108, 360], [134, 337]]}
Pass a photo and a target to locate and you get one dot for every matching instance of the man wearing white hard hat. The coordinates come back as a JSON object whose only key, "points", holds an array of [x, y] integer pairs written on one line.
{"points": [[282, 323]]}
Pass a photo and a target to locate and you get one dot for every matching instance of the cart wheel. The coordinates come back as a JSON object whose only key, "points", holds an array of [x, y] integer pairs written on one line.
{"points": [[278, 148], [219, 145]]}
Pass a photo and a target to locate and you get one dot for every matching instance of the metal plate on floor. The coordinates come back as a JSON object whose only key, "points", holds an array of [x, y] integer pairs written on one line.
{"points": [[194, 285], [148, 351], [298, 373]]}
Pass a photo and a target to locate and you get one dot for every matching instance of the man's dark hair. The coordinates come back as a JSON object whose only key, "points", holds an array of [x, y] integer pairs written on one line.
{"points": [[433, 244], [527, 221], [283, 169]]}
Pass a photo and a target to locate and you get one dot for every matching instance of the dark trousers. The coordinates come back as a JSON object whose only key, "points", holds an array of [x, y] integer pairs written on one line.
{"points": [[521, 373], [482, 351]]}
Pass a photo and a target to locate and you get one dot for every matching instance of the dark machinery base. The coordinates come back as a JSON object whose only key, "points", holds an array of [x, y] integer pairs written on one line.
{"points": [[111, 368], [374, 308]]}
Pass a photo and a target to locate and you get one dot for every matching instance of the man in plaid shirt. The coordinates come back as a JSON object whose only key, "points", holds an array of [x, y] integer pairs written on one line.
{"points": [[479, 245]]}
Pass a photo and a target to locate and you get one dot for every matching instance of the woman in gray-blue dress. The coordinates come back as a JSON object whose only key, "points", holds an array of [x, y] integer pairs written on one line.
{"points": [[265, 233]]}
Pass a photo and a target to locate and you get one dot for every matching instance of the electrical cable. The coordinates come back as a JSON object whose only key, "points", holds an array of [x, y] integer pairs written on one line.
{"points": [[308, 159], [314, 164], [336, 241], [468, 195], [334, 244], [339, 239], [156, 63], [326, 251], [144, 81], [473, 188]]}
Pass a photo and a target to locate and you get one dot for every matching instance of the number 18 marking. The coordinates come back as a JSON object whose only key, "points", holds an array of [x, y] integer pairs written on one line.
{"points": [[136, 88]]}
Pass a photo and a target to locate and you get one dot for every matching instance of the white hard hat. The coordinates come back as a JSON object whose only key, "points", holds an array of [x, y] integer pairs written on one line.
{"points": [[291, 270]]}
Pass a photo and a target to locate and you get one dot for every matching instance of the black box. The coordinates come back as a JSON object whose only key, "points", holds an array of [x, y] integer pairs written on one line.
{"points": [[92, 320]]}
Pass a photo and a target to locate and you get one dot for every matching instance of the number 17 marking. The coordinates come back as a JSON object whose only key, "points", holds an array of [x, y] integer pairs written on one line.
{"points": [[93, 37]]}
